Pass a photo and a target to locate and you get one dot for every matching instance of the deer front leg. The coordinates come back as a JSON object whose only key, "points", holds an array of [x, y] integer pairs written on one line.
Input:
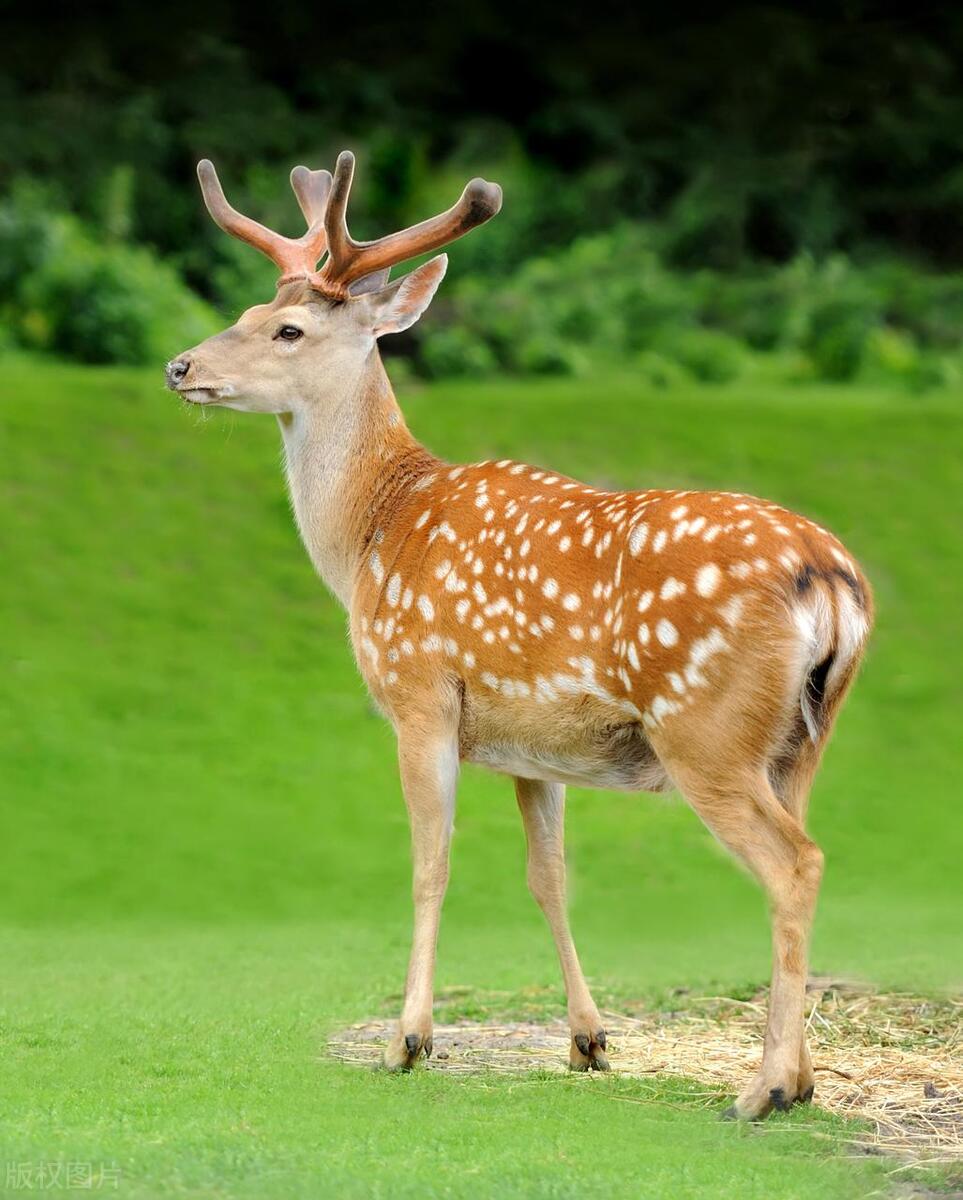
{"points": [[542, 807], [428, 758]]}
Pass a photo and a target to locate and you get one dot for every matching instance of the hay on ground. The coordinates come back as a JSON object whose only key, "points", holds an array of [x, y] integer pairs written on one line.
{"points": [[891, 1060]]}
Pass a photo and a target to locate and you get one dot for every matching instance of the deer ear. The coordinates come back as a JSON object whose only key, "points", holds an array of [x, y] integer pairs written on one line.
{"points": [[370, 283], [401, 303]]}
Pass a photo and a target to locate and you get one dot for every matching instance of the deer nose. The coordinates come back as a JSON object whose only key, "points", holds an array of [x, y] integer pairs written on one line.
{"points": [[177, 370]]}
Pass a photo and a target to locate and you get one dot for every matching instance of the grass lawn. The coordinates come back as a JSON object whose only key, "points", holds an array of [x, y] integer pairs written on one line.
{"points": [[204, 860]]}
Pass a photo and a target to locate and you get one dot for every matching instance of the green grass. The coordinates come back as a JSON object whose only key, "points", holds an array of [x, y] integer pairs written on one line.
{"points": [[204, 860]]}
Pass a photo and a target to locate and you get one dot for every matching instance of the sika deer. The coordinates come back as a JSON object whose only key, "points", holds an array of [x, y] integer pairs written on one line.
{"points": [[558, 633]]}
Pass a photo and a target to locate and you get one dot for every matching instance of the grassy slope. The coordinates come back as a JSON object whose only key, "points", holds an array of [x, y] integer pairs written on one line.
{"points": [[204, 862]]}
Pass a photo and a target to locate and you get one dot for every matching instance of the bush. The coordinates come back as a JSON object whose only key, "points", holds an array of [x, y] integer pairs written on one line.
{"points": [[455, 351], [99, 302], [604, 297], [543, 354], [764, 310], [707, 354], [610, 296], [659, 371], [892, 355], [837, 339]]}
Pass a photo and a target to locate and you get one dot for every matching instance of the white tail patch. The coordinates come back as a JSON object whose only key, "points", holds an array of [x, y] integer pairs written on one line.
{"points": [[824, 629], [814, 623], [852, 629]]}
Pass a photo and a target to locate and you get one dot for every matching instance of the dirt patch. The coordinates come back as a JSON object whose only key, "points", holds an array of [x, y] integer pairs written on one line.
{"points": [[894, 1061]]}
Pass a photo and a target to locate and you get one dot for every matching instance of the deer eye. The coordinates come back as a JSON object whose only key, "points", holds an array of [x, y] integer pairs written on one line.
{"points": [[289, 333]]}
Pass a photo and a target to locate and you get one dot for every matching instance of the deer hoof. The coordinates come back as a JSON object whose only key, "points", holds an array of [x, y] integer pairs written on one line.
{"points": [[587, 1052], [402, 1052], [761, 1098]]}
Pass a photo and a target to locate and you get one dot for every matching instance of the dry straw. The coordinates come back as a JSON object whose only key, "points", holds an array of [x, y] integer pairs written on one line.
{"points": [[892, 1061]]}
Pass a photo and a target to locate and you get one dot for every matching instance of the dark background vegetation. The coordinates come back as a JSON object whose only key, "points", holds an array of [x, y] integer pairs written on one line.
{"points": [[694, 185]]}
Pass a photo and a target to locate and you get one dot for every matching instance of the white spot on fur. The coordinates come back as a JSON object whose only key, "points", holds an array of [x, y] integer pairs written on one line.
{"points": [[703, 648], [731, 611], [707, 579], [637, 537], [666, 632], [660, 708]]}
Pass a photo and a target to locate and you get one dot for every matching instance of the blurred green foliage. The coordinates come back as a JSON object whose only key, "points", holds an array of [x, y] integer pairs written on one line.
{"points": [[606, 297], [613, 296], [87, 298], [684, 188]]}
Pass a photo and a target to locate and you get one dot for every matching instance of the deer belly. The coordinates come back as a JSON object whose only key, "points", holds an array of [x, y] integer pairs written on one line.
{"points": [[616, 756]]}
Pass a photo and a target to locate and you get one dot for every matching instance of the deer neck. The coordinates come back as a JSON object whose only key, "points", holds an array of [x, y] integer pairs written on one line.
{"points": [[345, 463]]}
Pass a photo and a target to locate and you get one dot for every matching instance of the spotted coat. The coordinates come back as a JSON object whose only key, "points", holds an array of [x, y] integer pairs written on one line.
{"points": [[534, 593]]}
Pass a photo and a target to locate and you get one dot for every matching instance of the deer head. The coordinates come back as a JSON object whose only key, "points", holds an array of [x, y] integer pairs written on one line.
{"points": [[323, 324]]}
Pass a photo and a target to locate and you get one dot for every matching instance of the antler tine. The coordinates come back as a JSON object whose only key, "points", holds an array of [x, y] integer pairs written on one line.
{"points": [[233, 222], [341, 246], [294, 257], [349, 260], [311, 189]]}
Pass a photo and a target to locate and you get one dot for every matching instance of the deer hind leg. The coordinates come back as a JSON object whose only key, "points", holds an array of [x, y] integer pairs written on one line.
{"points": [[542, 806], [792, 779], [428, 758], [741, 809]]}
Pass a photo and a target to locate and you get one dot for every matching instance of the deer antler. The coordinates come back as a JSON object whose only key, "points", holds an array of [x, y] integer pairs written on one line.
{"points": [[324, 203], [348, 260], [294, 257]]}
